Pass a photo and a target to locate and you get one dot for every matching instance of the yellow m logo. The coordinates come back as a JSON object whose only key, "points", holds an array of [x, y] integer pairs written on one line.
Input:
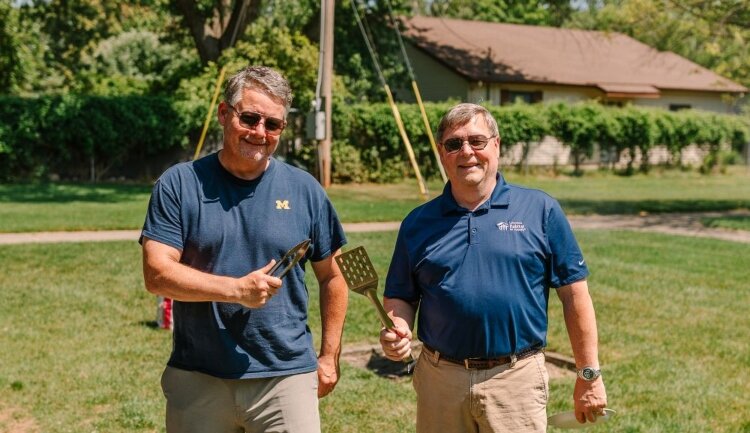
{"points": [[282, 204]]}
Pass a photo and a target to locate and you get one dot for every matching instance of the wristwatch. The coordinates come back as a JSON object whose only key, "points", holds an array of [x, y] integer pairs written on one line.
{"points": [[589, 374]]}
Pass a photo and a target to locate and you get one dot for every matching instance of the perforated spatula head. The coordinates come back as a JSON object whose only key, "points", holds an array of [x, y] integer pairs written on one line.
{"points": [[358, 271], [361, 278]]}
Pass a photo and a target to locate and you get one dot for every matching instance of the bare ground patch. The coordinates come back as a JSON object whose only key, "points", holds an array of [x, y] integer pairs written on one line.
{"points": [[15, 420]]}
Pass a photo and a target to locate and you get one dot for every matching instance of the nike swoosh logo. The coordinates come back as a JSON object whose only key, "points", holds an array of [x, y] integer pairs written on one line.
{"points": [[581, 263]]}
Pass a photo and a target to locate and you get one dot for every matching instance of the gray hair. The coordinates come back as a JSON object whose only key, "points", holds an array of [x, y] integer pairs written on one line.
{"points": [[260, 78], [462, 114]]}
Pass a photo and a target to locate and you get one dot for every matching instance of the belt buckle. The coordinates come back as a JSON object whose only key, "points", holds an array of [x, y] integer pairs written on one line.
{"points": [[478, 363], [467, 365]]}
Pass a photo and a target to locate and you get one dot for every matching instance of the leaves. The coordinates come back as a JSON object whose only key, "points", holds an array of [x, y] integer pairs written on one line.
{"points": [[63, 134], [715, 37]]}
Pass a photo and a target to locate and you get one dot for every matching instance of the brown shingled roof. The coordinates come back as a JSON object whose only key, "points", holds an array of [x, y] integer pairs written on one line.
{"points": [[511, 53]]}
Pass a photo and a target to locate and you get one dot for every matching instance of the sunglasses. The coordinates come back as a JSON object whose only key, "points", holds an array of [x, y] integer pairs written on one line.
{"points": [[477, 142], [251, 119]]}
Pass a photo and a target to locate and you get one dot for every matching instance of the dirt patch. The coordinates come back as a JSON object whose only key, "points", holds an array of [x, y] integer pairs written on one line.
{"points": [[371, 357], [14, 420], [681, 224]]}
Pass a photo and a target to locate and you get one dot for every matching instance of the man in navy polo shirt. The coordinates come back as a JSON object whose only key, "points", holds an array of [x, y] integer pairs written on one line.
{"points": [[478, 262], [243, 359]]}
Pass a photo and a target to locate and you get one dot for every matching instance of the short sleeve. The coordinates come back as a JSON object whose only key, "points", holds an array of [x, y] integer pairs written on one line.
{"points": [[399, 282], [567, 264], [163, 222], [328, 231]]}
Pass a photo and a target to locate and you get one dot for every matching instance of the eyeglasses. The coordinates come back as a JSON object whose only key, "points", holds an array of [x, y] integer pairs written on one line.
{"points": [[477, 142], [251, 119]]}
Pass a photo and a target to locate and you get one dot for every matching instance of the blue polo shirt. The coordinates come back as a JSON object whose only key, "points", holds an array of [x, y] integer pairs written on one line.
{"points": [[482, 277], [229, 226]]}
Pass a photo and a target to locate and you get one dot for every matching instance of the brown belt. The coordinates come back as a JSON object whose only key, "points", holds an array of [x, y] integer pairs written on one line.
{"points": [[484, 363]]}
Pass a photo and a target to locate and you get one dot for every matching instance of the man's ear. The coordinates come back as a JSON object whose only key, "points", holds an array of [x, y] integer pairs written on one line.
{"points": [[222, 113]]}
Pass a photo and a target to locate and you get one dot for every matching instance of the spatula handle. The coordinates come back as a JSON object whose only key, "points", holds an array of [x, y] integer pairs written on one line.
{"points": [[385, 319]]}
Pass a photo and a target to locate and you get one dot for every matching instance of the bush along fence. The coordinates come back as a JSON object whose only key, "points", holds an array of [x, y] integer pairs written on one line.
{"points": [[84, 137], [91, 138], [368, 147]]}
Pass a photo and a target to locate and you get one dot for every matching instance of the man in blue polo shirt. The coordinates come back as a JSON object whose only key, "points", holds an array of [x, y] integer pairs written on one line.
{"points": [[478, 262], [243, 359]]}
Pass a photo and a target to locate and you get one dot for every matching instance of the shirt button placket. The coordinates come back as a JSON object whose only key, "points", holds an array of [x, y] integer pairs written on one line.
{"points": [[473, 232]]}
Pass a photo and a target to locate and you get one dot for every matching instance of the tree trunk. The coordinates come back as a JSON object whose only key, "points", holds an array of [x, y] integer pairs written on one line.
{"points": [[213, 34]]}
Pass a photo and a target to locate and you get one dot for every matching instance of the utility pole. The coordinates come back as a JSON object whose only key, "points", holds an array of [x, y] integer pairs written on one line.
{"points": [[324, 148]]}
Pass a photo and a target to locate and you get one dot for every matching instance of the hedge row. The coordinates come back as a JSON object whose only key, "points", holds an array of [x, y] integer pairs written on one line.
{"points": [[76, 137], [369, 147], [80, 137]]}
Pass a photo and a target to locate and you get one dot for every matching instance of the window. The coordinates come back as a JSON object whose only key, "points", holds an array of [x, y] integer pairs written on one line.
{"points": [[512, 96], [678, 107]]}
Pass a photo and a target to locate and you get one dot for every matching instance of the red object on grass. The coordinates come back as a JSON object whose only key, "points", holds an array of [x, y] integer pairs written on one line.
{"points": [[164, 312]]}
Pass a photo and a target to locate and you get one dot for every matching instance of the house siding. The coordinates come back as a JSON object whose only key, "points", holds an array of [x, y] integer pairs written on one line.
{"points": [[439, 83], [715, 102], [435, 81]]}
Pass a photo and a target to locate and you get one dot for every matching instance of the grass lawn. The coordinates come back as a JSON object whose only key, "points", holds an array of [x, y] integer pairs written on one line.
{"points": [[731, 222], [659, 191], [68, 207], [80, 353], [43, 207]]}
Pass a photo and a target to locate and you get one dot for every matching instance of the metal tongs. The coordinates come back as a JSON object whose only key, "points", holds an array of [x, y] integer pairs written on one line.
{"points": [[291, 258]]}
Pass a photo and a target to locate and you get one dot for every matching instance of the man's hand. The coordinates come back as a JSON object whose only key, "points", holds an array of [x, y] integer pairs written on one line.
{"points": [[257, 287], [328, 375], [396, 342], [590, 399]]}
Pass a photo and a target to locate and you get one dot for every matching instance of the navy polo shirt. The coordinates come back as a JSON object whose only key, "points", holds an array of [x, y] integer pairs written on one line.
{"points": [[229, 226], [482, 277]]}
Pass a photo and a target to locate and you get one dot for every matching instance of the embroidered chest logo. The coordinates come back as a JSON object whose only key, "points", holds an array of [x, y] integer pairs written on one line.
{"points": [[512, 226], [282, 204]]}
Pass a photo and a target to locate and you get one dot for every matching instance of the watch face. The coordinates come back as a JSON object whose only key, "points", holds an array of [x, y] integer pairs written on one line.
{"points": [[589, 373]]}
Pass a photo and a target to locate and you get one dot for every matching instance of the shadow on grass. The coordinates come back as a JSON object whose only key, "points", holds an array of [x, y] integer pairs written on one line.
{"points": [[71, 192], [384, 367], [151, 324], [629, 207]]}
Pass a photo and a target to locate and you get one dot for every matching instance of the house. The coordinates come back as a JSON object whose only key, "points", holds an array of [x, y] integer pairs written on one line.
{"points": [[502, 63], [499, 63]]}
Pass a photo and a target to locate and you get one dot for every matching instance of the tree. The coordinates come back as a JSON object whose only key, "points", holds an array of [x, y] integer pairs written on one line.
{"points": [[535, 12], [136, 62], [59, 43], [216, 25], [735, 12], [71, 29], [8, 46], [717, 45]]}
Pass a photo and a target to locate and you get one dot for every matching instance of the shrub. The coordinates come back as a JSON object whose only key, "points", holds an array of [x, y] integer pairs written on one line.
{"points": [[83, 137]]}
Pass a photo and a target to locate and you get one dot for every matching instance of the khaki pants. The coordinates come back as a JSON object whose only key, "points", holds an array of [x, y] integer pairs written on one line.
{"points": [[452, 399], [199, 403]]}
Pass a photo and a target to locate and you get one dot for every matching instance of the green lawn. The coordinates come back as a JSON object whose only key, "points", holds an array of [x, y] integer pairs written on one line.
{"points": [[42, 207], [68, 207], [80, 353], [659, 191], [731, 222]]}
